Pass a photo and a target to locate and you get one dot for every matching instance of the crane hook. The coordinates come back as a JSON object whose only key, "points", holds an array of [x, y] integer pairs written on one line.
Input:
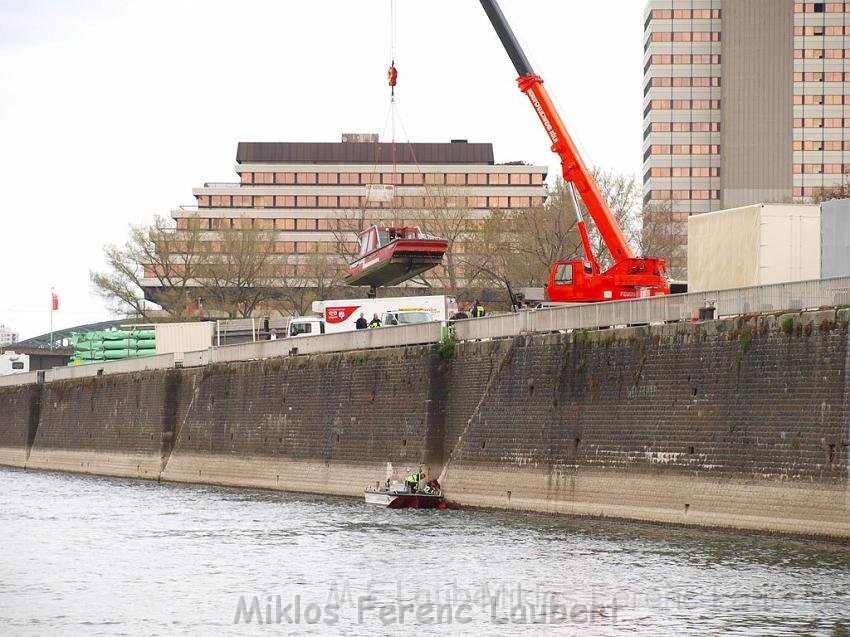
{"points": [[392, 76]]}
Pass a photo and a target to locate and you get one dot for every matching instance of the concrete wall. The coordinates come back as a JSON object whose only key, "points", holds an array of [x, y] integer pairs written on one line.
{"points": [[730, 423]]}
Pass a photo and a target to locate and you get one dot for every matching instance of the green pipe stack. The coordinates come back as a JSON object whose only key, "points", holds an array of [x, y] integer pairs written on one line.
{"points": [[111, 345]]}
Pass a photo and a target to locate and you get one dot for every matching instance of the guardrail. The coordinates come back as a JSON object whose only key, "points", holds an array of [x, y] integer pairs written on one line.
{"points": [[663, 309], [397, 336]]}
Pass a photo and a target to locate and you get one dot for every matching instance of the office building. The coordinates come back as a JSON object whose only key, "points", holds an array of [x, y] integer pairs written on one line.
{"points": [[316, 197], [745, 102]]}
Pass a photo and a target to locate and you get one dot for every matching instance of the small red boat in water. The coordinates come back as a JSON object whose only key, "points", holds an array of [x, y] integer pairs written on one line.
{"points": [[389, 500], [412, 493], [391, 255]]}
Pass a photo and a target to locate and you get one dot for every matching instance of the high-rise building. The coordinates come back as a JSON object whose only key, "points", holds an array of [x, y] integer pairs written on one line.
{"points": [[745, 101], [315, 197], [7, 336]]}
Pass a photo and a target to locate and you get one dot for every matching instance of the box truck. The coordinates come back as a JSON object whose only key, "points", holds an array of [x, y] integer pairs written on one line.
{"points": [[341, 315]]}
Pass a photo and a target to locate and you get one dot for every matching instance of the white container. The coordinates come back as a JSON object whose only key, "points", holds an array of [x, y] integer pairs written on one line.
{"points": [[183, 337], [754, 245]]}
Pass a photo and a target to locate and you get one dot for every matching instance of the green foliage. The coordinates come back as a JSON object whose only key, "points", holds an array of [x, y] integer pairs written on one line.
{"points": [[446, 347], [787, 325]]}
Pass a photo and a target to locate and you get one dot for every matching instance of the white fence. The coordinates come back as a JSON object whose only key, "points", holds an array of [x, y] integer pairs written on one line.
{"points": [[663, 309]]}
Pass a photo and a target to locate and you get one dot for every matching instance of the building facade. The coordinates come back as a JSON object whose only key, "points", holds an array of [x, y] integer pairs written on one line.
{"points": [[745, 102], [7, 336], [316, 197]]}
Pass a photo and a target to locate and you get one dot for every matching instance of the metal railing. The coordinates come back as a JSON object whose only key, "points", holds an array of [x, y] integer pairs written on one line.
{"points": [[791, 297], [662, 309]]}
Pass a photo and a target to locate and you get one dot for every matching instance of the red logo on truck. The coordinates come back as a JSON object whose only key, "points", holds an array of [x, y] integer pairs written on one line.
{"points": [[339, 314]]}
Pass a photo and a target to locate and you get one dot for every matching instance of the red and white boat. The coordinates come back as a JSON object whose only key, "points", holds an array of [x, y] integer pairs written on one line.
{"points": [[390, 500], [391, 255]]}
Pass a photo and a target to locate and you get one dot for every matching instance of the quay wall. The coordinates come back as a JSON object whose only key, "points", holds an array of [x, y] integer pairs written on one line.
{"points": [[739, 423]]}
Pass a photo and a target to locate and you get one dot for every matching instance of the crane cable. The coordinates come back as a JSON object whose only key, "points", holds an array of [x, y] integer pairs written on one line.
{"points": [[392, 77]]}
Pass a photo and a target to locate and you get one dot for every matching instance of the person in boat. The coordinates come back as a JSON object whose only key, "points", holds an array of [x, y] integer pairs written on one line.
{"points": [[375, 322], [432, 488], [361, 323], [412, 482]]}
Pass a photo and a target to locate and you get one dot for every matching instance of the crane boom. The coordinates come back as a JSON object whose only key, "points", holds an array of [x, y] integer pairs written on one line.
{"points": [[629, 276], [574, 169]]}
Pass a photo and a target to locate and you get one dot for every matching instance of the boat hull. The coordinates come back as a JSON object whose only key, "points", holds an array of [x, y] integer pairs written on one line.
{"points": [[386, 500], [396, 262]]}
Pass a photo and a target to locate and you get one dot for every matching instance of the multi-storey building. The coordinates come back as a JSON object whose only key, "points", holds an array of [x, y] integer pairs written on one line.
{"points": [[315, 197], [7, 336], [745, 101]]}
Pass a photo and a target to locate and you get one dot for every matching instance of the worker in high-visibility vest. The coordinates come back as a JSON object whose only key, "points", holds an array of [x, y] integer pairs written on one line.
{"points": [[477, 310]]}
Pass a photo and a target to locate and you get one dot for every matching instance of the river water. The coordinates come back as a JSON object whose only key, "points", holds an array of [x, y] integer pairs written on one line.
{"points": [[87, 555]]}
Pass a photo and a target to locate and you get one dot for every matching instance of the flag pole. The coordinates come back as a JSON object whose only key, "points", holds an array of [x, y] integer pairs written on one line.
{"points": [[52, 294]]}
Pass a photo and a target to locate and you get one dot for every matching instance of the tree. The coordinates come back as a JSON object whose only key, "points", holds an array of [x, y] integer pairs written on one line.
{"points": [[447, 215], [664, 233], [317, 275], [232, 270], [151, 252], [238, 271], [623, 195], [520, 246], [839, 191]]}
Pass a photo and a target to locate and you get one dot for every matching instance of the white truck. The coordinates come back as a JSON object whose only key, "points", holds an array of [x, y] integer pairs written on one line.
{"points": [[341, 315]]}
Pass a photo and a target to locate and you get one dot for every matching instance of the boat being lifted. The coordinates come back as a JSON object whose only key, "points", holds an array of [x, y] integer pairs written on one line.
{"points": [[391, 255]]}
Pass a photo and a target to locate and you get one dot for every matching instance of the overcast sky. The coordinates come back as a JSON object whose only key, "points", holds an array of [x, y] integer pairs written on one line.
{"points": [[111, 111]]}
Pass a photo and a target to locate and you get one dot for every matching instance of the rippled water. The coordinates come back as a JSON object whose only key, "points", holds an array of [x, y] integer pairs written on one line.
{"points": [[96, 556]]}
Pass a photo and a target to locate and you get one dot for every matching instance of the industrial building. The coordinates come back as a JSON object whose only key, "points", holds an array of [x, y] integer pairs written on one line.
{"points": [[745, 102], [316, 197]]}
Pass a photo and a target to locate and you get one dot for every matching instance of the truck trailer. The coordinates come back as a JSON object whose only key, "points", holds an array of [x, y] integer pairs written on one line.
{"points": [[333, 316]]}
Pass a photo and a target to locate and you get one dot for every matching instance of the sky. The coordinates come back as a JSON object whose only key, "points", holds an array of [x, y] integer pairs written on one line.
{"points": [[111, 111]]}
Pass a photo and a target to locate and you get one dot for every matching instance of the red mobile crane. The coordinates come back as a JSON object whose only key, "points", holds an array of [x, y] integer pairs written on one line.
{"points": [[581, 281]]}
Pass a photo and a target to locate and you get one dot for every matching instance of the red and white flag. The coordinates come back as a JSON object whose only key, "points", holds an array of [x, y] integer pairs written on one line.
{"points": [[54, 301]]}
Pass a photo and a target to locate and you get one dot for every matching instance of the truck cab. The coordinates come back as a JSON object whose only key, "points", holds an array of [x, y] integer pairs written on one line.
{"points": [[305, 326]]}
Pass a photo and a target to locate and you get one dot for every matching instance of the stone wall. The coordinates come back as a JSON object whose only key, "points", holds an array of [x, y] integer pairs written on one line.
{"points": [[327, 424], [20, 409], [731, 423], [121, 425]]}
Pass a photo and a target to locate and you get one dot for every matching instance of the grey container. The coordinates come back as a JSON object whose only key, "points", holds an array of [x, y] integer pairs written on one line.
{"points": [[835, 238]]}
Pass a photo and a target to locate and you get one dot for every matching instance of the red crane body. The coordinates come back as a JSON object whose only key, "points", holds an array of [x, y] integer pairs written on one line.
{"points": [[581, 281]]}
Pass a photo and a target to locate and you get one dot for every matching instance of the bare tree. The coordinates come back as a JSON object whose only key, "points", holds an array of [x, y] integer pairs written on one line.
{"points": [[623, 195], [239, 271], [839, 191], [447, 215], [316, 275], [664, 234], [156, 252]]}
